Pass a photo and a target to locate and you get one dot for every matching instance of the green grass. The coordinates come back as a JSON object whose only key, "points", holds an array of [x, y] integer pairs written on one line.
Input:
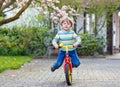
{"points": [[13, 62]]}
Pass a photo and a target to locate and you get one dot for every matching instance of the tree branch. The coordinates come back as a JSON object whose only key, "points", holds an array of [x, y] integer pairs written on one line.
{"points": [[17, 15], [9, 10], [7, 5], [1, 3]]}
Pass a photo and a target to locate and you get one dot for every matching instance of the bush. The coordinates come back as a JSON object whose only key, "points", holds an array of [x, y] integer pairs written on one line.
{"points": [[13, 52], [22, 41], [37, 46], [3, 51], [91, 46]]}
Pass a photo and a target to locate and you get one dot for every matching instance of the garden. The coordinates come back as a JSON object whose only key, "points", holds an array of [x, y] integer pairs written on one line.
{"points": [[24, 41]]}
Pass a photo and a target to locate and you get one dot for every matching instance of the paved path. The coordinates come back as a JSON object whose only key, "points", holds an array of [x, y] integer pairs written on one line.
{"points": [[114, 56], [96, 72]]}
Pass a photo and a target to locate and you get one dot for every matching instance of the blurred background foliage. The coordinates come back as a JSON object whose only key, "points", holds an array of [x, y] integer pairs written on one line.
{"points": [[22, 41], [91, 45]]}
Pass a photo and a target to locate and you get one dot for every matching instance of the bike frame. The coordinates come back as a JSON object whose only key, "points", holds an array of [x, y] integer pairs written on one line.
{"points": [[67, 58], [68, 61]]}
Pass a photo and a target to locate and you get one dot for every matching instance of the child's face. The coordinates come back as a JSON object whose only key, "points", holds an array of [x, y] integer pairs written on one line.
{"points": [[66, 25]]}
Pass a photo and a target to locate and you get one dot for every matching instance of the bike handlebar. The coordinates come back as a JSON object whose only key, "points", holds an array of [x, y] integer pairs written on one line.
{"points": [[65, 47]]}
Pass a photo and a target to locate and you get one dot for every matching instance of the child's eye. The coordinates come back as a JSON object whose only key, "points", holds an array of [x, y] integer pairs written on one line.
{"points": [[65, 23]]}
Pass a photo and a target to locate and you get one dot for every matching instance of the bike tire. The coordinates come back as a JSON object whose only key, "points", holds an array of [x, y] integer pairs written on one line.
{"points": [[68, 75]]}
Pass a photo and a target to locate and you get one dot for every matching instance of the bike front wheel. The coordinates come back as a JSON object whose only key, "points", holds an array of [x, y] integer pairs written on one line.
{"points": [[68, 75]]}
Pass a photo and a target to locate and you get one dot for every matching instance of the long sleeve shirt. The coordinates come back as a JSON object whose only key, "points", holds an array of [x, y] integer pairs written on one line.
{"points": [[67, 38]]}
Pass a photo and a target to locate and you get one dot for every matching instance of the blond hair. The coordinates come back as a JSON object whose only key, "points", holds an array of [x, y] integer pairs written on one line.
{"points": [[66, 19]]}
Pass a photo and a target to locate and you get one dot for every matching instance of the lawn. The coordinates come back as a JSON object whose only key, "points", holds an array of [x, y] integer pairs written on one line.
{"points": [[13, 62]]}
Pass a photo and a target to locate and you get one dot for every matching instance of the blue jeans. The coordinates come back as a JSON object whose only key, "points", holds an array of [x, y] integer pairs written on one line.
{"points": [[61, 56]]}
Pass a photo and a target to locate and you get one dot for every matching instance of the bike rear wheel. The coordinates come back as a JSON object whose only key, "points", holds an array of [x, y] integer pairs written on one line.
{"points": [[68, 75]]}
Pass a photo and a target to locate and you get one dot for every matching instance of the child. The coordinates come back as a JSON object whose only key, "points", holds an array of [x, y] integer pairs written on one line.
{"points": [[67, 37]]}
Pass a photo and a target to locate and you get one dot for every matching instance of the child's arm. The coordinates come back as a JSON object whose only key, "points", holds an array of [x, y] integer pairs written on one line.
{"points": [[55, 40], [78, 40]]}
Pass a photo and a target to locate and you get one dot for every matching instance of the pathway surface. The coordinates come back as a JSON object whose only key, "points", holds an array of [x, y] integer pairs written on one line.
{"points": [[93, 72]]}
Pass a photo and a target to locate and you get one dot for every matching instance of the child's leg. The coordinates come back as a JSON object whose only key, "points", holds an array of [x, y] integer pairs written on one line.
{"points": [[60, 59], [74, 58]]}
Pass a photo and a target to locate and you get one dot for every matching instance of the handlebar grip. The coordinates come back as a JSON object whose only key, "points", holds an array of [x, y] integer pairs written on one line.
{"points": [[79, 45], [59, 47]]}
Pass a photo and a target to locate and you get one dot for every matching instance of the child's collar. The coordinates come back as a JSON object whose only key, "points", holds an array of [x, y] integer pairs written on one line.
{"points": [[66, 31]]}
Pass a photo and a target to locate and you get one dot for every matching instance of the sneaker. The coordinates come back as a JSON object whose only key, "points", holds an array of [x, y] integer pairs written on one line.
{"points": [[52, 69]]}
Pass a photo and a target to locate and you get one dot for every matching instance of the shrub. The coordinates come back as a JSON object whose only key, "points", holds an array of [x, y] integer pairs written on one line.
{"points": [[22, 41], [36, 45], [3, 51], [90, 45]]}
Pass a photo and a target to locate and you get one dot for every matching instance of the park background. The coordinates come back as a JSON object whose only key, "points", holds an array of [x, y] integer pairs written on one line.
{"points": [[27, 28]]}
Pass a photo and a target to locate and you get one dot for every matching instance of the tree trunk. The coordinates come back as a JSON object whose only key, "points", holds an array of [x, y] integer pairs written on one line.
{"points": [[109, 33], [95, 29], [84, 24], [75, 25]]}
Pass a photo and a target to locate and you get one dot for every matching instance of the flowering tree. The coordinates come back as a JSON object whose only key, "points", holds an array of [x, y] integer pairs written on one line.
{"points": [[73, 8], [98, 7], [55, 8], [55, 11]]}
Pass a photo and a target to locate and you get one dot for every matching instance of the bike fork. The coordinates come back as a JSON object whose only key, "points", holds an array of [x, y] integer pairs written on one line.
{"points": [[68, 61]]}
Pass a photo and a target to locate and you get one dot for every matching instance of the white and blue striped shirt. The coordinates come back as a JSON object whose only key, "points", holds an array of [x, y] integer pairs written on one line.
{"points": [[67, 38]]}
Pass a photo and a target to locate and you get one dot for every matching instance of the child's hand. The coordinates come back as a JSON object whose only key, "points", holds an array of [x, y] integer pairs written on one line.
{"points": [[56, 47], [75, 45]]}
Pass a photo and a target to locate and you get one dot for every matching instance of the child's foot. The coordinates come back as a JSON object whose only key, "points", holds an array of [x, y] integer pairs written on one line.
{"points": [[52, 69]]}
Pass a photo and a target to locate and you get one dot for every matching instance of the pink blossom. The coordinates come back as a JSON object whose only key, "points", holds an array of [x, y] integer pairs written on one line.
{"points": [[21, 4], [70, 12], [33, 2], [73, 10], [112, 2], [56, 1], [57, 9], [55, 19], [43, 3], [59, 15], [57, 12], [6, 1], [51, 15], [49, 3], [49, 0], [64, 8], [75, 14], [45, 13], [11, 6], [63, 13], [97, 0], [53, 7], [40, 9]]}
